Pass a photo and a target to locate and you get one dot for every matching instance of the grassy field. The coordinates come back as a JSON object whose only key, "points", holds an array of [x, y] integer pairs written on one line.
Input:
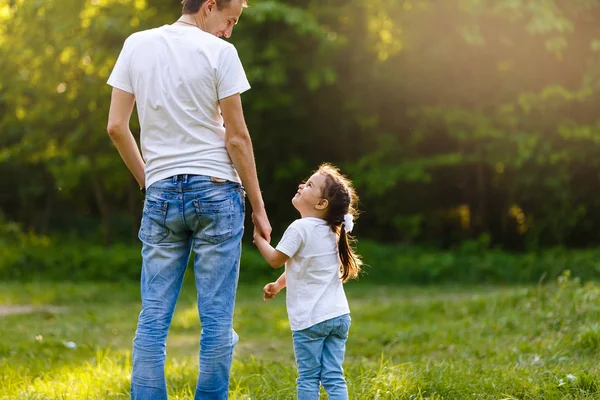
{"points": [[73, 341]]}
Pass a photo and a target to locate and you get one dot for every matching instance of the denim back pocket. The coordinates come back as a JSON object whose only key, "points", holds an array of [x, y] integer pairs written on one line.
{"points": [[215, 217], [153, 229], [344, 323]]}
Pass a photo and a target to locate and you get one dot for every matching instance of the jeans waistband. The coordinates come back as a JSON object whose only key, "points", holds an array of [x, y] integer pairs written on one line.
{"points": [[185, 182], [183, 178]]}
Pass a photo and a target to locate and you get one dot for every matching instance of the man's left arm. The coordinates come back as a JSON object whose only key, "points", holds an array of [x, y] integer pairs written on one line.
{"points": [[121, 107]]}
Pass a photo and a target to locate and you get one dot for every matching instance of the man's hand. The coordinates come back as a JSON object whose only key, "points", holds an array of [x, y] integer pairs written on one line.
{"points": [[262, 226], [270, 290]]}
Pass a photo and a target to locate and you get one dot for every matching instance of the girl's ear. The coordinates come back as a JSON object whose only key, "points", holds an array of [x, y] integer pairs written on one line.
{"points": [[322, 204]]}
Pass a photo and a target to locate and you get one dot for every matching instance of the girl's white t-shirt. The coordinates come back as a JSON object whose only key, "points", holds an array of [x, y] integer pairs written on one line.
{"points": [[178, 74], [315, 292]]}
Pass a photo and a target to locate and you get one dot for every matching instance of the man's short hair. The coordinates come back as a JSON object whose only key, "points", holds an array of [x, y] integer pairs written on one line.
{"points": [[192, 6]]}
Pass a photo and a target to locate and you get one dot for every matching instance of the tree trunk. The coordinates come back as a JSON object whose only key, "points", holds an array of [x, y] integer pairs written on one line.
{"points": [[134, 199], [105, 224], [47, 214], [481, 209]]}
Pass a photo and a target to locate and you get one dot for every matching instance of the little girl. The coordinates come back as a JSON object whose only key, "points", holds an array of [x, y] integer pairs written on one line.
{"points": [[318, 257]]}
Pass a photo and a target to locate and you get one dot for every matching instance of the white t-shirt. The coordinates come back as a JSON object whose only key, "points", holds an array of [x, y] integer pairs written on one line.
{"points": [[178, 74], [315, 292]]}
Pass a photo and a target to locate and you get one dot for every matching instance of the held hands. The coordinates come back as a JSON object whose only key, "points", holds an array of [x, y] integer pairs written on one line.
{"points": [[256, 235], [270, 290], [262, 226]]}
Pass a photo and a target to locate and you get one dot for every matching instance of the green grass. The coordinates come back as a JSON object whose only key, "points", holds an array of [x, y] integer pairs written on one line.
{"points": [[477, 342]]}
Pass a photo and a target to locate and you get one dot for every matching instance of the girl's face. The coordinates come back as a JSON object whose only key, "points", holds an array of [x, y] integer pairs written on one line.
{"points": [[309, 197]]}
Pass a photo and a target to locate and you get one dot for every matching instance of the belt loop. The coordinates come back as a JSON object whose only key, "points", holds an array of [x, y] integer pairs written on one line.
{"points": [[184, 178], [174, 179]]}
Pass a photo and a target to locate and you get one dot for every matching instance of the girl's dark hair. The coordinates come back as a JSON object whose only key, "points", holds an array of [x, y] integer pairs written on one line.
{"points": [[342, 200], [192, 6]]}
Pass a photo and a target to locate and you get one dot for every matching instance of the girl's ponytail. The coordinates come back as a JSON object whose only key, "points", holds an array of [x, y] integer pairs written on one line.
{"points": [[350, 260], [342, 200]]}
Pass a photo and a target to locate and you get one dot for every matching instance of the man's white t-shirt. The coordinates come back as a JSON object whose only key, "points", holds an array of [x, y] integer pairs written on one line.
{"points": [[178, 74], [315, 292]]}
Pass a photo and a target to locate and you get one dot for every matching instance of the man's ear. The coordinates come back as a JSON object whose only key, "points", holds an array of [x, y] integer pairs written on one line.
{"points": [[210, 6], [322, 204]]}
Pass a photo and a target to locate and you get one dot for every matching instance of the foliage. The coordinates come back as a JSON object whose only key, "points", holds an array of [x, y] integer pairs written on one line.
{"points": [[455, 119], [34, 258]]}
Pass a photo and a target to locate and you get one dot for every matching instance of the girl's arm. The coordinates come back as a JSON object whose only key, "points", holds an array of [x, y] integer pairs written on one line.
{"points": [[281, 281], [275, 258], [271, 289]]}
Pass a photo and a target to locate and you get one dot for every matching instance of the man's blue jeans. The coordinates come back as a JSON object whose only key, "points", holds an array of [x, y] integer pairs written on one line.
{"points": [[319, 354], [181, 214]]}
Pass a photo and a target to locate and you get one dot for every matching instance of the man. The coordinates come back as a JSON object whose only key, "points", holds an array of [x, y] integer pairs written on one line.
{"points": [[198, 153]]}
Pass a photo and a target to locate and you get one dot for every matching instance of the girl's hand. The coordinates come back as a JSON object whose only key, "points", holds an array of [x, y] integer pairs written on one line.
{"points": [[270, 290], [255, 234]]}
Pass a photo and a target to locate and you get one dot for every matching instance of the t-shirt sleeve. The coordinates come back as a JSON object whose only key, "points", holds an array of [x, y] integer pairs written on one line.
{"points": [[119, 77], [231, 78], [291, 242]]}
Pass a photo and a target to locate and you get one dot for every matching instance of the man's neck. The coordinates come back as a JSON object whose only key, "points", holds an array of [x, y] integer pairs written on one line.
{"points": [[192, 19]]}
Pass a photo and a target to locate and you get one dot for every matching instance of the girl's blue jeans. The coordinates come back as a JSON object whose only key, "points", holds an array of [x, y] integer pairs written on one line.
{"points": [[319, 354]]}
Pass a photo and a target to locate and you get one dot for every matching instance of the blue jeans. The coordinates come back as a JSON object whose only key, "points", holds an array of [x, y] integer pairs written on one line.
{"points": [[181, 214], [319, 354]]}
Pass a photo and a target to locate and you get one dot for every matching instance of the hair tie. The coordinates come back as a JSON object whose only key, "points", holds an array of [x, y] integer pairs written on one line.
{"points": [[348, 222]]}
